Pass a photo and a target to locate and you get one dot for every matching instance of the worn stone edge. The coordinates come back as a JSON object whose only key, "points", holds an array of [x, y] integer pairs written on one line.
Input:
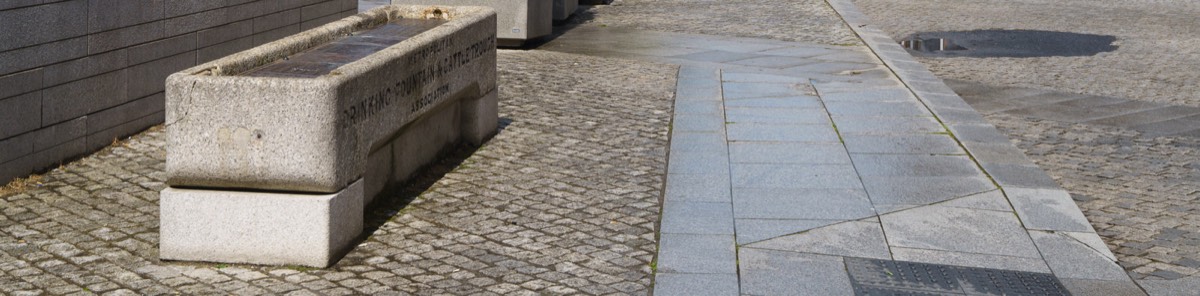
{"points": [[949, 109]]}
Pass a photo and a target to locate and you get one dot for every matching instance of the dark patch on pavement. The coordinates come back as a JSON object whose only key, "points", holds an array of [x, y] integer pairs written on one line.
{"points": [[1016, 43]]}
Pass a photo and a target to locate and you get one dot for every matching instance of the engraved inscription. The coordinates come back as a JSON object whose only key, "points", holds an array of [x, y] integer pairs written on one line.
{"points": [[367, 107]]}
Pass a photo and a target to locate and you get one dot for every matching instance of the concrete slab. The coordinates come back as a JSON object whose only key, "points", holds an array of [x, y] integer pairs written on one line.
{"points": [[753, 230], [776, 62], [997, 153], [701, 162], [1047, 209], [767, 272], [717, 56], [852, 56], [846, 108], [984, 133], [750, 77], [923, 190], [777, 115], [698, 107], [959, 116], [1099, 287], [878, 95], [688, 284], [696, 253], [904, 144], [697, 84], [798, 51], [832, 68], [698, 187], [970, 259], [824, 176], [858, 85], [698, 142], [788, 153], [849, 239], [779, 102], [992, 200], [688, 217], [1092, 240], [697, 123], [811, 204], [959, 230], [816, 133], [745, 90], [912, 165], [1069, 258], [871, 125], [1024, 176]]}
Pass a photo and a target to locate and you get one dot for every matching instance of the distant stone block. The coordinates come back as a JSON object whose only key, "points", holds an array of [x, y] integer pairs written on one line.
{"points": [[517, 21]]}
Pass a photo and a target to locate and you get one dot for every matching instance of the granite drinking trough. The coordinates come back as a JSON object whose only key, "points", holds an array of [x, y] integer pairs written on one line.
{"points": [[273, 152]]}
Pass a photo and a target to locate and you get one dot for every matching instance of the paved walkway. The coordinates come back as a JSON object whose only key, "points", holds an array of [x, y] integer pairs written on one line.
{"points": [[794, 168], [791, 163]]}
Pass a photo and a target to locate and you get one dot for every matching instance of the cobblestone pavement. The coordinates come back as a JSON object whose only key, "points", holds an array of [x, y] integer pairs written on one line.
{"points": [[1139, 190], [563, 201], [793, 20], [1157, 58]]}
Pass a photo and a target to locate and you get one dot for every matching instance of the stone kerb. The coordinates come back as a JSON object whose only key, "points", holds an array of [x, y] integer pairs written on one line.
{"points": [[250, 157], [517, 21]]}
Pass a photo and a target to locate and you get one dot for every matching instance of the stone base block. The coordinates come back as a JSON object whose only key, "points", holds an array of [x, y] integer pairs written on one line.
{"points": [[480, 118], [259, 227]]}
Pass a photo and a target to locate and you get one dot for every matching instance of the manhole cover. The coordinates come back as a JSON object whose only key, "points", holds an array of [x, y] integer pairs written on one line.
{"points": [[1007, 43], [885, 277]]}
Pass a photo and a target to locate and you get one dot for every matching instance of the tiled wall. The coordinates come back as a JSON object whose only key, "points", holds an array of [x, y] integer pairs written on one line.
{"points": [[77, 74]]}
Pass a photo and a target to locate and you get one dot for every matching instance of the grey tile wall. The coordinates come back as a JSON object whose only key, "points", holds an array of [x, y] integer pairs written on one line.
{"points": [[76, 74]]}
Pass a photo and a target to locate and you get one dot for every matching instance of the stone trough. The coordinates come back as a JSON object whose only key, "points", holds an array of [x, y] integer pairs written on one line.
{"points": [[272, 153], [517, 21]]}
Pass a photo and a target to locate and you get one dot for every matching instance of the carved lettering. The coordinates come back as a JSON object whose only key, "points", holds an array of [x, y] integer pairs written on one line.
{"points": [[407, 87]]}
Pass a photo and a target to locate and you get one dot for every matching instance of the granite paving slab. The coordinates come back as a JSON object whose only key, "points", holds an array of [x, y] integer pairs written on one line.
{"points": [[831, 204], [769, 272], [959, 230], [847, 239], [754, 230]]}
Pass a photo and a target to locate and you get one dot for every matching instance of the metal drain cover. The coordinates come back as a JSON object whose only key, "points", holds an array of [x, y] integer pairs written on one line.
{"points": [[885, 277]]}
